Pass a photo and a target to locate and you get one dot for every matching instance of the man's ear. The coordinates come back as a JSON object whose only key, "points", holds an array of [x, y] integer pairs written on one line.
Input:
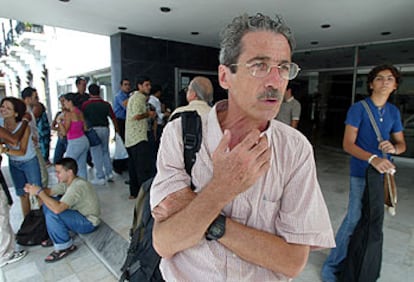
{"points": [[223, 73]]}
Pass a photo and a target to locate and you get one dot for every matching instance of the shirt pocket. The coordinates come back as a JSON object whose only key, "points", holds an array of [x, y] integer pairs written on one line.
{"points": [[266, 217]]}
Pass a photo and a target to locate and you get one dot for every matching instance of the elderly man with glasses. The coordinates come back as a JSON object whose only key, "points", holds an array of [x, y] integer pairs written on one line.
{"points": [[257, 208]]}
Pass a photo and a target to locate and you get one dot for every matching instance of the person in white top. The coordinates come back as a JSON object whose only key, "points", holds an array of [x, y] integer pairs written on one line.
{"points": [[30, 98], [199, 95]]}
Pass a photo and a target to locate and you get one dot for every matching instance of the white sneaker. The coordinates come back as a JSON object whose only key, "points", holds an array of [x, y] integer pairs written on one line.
{"points": [[15, 256], [98, 181], [110, 178]]}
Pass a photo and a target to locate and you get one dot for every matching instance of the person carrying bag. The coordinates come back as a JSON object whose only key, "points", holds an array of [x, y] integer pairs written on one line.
{"points": [[368, 152], [390, 187]]}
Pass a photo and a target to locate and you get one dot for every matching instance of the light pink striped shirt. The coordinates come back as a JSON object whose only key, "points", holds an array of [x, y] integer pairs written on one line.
{"points": [[286, 201]]}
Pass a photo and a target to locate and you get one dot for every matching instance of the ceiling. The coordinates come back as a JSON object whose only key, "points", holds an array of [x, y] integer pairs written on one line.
{"points": [[352, 22]]}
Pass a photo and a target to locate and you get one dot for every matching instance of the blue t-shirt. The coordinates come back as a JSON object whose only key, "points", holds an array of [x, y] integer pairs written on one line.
{"points": [[119, 108], [358, 117]]}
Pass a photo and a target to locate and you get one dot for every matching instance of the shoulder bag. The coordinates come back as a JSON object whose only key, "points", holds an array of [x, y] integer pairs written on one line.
{"points": [[390, 187], [93, 137]]}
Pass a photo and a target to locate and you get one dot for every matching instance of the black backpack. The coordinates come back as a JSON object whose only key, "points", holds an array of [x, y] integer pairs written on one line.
{"points": [[142, 261], [33, 229]]}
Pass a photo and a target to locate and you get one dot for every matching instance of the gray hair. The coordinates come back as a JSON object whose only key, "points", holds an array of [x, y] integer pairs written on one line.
{"points": [[203, 88], [231, 35]]}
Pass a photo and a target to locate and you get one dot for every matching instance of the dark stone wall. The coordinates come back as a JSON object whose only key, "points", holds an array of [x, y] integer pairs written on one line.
{"points": [[134, 55], [116, 70]]}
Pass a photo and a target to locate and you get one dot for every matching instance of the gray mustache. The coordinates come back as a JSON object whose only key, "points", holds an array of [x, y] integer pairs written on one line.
{"points": [[270, 94]]}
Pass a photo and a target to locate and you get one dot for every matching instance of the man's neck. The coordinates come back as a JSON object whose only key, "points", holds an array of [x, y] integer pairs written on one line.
{"points": [[378, 99], [70, 180], [238, 125]]}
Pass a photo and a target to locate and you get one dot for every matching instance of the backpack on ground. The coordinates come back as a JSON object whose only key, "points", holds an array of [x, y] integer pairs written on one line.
{"points": [[33, 229], [142, 261]]}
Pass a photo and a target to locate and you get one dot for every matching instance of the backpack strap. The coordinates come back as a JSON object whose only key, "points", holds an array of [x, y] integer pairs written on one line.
{"points": [[191, 125], [192, 137]]}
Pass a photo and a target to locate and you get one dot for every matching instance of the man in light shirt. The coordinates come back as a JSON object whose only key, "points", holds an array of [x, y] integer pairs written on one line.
{"points": [[136, 138], [77, 210], [289, 112], [257, 209], [199, 95]]}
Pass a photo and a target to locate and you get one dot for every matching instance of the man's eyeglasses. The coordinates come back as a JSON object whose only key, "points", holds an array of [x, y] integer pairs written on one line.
{"points": [[287, 71]]}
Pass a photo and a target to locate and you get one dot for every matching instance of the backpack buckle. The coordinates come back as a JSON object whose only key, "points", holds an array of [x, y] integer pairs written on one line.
{"points": [[190, 141]]}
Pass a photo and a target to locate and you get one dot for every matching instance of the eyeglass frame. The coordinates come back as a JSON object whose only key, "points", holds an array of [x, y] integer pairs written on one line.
{"points": [[269, 68]]}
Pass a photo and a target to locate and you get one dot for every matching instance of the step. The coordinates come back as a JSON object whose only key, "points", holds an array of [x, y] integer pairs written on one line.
{"points": [[110, 247]]}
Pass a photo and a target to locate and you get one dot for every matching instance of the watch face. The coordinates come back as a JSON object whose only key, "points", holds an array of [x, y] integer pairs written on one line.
{"points": [[216, 230]]}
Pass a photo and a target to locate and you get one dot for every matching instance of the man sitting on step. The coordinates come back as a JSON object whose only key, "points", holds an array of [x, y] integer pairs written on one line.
{"points": [[77, 209]]}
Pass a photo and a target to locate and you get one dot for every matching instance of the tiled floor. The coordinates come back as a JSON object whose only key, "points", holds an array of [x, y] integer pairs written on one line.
{"points": [[83, 265]]}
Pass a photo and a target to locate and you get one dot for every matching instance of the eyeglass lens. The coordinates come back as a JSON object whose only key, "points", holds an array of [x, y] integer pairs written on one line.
{"points": [[287, 71]]}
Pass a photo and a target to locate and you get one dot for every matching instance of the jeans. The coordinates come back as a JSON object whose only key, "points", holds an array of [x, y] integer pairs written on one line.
{"points": [[78, 150], [60, 149], [100, 153], [58, 226], [332, 264], [23, 172]]}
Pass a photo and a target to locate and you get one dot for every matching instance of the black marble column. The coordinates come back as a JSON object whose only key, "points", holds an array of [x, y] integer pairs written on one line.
{"points": [[134, 55]]}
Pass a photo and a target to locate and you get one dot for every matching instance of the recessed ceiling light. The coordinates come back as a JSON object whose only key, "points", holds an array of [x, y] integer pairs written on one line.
{"points": [[165, 9], [385, 33], [325, 26], [122, 27], [195, 33], [64, 1], [314, 43]]}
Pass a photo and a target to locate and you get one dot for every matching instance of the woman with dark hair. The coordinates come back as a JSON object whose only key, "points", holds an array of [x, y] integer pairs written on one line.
{"points": [[23, 163], [74, 127]]}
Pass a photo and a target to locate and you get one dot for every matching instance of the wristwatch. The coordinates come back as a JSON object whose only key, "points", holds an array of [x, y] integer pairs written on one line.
{"points": [[217, 229]]}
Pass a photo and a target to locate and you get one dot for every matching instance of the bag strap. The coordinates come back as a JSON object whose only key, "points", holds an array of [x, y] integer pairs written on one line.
{"points": [[191, 125], [374, 124], [192, 137]]}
